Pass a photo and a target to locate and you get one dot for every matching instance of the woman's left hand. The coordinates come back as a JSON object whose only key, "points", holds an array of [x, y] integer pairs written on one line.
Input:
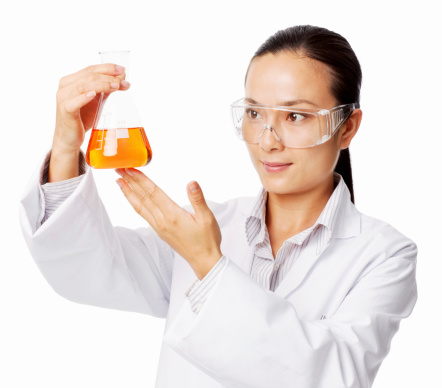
{"points": [[196, 237]]}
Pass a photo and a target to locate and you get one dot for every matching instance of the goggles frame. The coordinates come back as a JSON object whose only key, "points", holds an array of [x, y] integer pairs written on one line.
{"points": [[334, 118]]}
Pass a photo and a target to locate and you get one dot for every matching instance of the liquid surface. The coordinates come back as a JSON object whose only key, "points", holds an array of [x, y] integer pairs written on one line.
{"points": [[118, 148]]}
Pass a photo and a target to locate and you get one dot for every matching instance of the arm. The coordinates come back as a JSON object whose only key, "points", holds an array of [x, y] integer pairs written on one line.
{"points": [[80, 253], [87, 260], [246, 336], [53, 194], [258, 340]]}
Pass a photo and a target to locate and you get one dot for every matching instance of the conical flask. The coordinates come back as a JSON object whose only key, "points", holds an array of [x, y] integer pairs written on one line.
{"points": [[117, 139]]}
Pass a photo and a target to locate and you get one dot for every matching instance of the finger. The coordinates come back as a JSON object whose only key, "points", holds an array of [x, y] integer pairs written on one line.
{"points": [[132, 183], [160, 205], [152, 192], [106, 68], [78, 102], [136, 203], [143, 196], [98, 86], [94, 79], [196, 198]]}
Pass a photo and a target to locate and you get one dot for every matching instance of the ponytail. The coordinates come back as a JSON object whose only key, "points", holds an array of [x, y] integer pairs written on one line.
{"points": [[343, 167]]}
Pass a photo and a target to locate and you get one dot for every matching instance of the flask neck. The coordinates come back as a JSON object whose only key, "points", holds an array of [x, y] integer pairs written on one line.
{"points": [[117, 57]]}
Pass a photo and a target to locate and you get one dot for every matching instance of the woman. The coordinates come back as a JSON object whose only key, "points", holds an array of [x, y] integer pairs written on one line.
{"points": [[293, 288]]}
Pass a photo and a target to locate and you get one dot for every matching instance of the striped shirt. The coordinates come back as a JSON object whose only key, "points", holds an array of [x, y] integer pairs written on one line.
{"points": [[266, 269], [53, 194]]}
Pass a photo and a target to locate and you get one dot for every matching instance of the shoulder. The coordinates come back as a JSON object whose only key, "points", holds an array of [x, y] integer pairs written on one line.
{"points": [[375, 251], [368, 235], [385, 240]]}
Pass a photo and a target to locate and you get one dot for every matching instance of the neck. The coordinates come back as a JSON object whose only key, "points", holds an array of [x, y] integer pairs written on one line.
{"points": [[290, 214]]}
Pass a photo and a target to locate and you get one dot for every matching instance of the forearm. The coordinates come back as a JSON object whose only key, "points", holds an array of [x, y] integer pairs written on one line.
{"points": [[86, 260], [246, 336], [53, 194], [63, 165]]}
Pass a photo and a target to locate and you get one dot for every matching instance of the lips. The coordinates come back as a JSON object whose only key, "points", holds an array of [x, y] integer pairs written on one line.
{"points": [[274, 167], [276, 164]]}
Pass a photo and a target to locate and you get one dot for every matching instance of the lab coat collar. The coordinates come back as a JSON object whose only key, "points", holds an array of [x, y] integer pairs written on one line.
{"points": [[348, 218], [346, 221], [347, 224]]}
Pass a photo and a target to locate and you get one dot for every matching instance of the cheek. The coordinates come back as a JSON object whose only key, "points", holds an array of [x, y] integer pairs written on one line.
{"points": [[252, 150], [311, 167], [320, 160]]}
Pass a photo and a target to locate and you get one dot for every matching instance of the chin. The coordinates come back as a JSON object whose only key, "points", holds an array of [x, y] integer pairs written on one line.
{"points": [[279, 186], [289, 182]]}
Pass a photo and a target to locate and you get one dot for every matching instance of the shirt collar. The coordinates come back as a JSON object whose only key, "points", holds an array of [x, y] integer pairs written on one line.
{"points": [[256, 218], [255, 221]]}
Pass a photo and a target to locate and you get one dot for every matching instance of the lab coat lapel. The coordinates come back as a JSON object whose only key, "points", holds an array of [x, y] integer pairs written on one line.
{"points": [[347, 224], [299, 269], [234, 244]]}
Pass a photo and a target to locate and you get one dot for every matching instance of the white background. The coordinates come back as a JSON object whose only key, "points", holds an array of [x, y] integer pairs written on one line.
{"points": [[187, 65]]}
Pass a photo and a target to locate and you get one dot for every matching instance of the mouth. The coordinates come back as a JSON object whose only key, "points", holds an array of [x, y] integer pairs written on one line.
{"points": [[274, 167]]}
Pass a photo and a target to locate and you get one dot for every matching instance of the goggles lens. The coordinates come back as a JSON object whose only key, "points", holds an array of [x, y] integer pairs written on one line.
{"points": [[294, 128]]}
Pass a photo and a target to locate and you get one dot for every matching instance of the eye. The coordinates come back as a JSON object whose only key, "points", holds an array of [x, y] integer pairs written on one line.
{"points": [[295, 117], [253, 114]]}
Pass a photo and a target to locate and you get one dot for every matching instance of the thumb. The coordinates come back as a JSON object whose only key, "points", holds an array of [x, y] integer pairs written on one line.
{"points": [[196, 197]]}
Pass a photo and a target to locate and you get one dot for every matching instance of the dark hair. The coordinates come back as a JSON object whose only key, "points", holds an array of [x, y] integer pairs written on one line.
{"points": [[334, 51]]}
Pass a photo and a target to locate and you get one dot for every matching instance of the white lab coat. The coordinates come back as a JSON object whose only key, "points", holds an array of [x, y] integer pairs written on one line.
{"points": [[361, 285]]}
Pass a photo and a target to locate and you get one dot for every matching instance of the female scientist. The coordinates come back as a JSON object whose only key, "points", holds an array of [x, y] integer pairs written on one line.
{"points": [[293, 288]]}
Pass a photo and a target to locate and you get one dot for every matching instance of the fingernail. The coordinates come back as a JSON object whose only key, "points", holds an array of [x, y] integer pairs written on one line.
{"points": [[129, 172], [119, 69], [90, 94], [119, 182], [125, 84], [119, 172], [114, 85], [194, 187]]}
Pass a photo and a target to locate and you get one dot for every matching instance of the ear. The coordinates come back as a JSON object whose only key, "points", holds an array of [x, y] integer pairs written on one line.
{"points": [[349, 130]]}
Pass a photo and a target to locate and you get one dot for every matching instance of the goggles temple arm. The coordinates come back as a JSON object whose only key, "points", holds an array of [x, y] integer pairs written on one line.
{"points": [[350, 108]]}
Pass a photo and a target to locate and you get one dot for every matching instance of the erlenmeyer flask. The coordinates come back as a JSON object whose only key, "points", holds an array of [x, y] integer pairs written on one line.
{"points": [[117, 139]]}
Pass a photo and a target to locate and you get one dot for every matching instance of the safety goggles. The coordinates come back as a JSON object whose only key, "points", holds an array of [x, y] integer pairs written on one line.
{"points": [[294, 128]]}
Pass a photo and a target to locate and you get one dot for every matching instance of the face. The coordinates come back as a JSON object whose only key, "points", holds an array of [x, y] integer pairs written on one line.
{"points": [[276, 80]]}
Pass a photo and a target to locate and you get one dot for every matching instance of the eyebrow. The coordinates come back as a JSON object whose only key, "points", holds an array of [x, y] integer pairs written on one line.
{"points": [[284, 103]]}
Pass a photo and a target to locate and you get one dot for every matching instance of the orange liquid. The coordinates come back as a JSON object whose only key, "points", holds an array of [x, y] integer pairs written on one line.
{"points": [[130, 148]]}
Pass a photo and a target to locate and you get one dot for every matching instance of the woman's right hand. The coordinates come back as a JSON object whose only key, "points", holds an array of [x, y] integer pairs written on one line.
{"points": [[78, 96], [77, 101]]}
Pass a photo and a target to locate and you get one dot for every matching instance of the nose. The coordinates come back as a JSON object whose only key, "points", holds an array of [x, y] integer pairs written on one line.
{"points": [[269, 140]]}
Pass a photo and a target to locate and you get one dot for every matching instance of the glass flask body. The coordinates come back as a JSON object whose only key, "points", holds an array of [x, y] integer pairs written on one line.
{"points": [[117, 139]]}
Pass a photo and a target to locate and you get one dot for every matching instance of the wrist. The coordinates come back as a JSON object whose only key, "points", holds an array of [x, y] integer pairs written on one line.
{"points": [[61, 149], [63, 165], [206, 265]]}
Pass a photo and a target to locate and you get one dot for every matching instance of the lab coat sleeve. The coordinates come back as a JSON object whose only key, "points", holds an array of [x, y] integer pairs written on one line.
{"points": [[200, 289], [54, 194], [247, 336], [87, 260]]}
